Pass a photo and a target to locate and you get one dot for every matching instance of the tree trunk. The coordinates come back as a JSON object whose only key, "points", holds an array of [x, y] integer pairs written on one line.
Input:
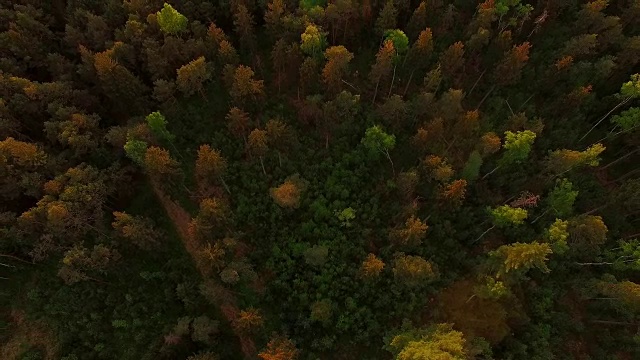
{"points": [[541, 215], [490, 172], [393, 78], [262, 164], [486, 96], [408, 83], [16, 258], [482, 235], [606, 116], [620, 158], [476, 83], [375, 93], [226, 187], [391, 161]]}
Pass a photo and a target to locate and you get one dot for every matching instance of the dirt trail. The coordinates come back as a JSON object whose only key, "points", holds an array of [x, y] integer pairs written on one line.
{"points": [[225, 299], [26, 333]]}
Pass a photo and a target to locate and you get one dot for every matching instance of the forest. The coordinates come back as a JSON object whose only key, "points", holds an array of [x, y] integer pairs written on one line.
{"points": [[319, 179]]}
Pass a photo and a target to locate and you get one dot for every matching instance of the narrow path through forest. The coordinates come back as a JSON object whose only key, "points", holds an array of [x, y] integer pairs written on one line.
{"points": [[225, 299]]}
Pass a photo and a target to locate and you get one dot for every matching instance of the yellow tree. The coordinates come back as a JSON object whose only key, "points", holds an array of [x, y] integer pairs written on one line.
{"points": [[453, 193], [518, 258], [210, 167], [287, 195], [371, 267], [248, 320], [192, 76], [383, 66], [244, 86], [439, 342], [412, 233], [336, 67], [279, 348], [159, 164], [412, 270]]}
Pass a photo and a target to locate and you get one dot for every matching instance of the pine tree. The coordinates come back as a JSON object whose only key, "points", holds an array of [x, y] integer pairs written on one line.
{"points": [[210, 167], [192, 76], [245, 87], [336, 67], [383, 66], [387, 18], [238, 123], [257, 145]]}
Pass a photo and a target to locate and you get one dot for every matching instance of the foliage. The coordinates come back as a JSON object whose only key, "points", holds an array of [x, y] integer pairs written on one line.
{"points": [[158, 124], [562, 197], [377, 141], [170, 20], [520, 257], [505, 215], [517, 146], [437, 342]]}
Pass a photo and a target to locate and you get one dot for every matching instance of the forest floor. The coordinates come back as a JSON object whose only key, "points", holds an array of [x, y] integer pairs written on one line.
{"points": [[226, 300], [28, 334]]}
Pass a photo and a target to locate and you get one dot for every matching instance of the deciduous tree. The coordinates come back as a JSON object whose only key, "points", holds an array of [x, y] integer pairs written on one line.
{"points": [[170, 20], [377, 141], [412, 233], [371, 267], [279, 348], [521, 257], [412, 270], [288, 194], [436, 342]]}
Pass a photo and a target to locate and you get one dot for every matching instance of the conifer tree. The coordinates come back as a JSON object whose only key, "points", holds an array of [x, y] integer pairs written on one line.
{"points": [[192, 76]]}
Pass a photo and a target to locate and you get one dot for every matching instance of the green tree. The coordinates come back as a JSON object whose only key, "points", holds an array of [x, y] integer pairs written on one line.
{"points": [[517, 148], [377, 141], [170, 20], [321, 311], [629, 90], [471, 169], [387, 18], [158, 124], [136, 150], [562, 197], [504, 216]]}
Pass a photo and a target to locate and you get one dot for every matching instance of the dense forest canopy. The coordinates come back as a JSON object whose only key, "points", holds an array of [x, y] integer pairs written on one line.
{"points": [[319, 179]]}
